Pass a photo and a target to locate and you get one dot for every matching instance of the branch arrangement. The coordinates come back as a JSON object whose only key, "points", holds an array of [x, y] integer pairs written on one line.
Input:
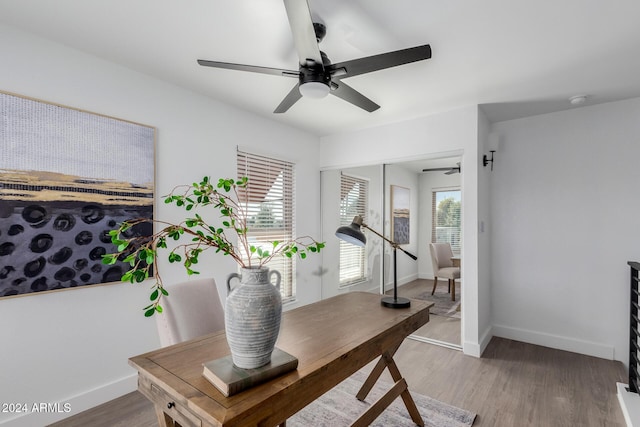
{"points": [[141, 252]]}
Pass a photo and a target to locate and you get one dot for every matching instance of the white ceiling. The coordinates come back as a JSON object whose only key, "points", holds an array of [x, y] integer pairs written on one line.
{"points": [[514, 57]]}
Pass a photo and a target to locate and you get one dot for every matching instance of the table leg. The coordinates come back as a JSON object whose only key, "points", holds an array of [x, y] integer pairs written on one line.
{"points": [[375, 373], [400, 388]]}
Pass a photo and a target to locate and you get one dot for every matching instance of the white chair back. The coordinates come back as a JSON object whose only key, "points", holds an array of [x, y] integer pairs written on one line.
{"points": [[192, 309]]}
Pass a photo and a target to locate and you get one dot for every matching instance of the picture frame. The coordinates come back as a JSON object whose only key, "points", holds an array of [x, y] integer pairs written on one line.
{"points": [[400, 214], [67, 177]]}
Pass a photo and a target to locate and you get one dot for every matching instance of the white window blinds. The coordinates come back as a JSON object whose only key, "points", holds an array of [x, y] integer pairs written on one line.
{"points": [[446, 219], [269, 203], [353, 201]]}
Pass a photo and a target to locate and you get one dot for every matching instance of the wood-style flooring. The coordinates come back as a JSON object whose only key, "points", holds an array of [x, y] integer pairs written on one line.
{"points": [[439, 328], [513, 384]]}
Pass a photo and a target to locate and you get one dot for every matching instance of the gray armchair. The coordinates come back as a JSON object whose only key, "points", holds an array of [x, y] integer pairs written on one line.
{"points": [[443, 267]]}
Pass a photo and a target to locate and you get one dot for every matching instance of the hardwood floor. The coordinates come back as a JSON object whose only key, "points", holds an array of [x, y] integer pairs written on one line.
{"points": [[513, 384], [441, 328]]}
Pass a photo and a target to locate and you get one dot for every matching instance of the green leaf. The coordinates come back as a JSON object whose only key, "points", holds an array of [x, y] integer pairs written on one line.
{"points": [[154, 295], [149, 312], [162, 243], [159, 308], [109, 259], [140, 275]]}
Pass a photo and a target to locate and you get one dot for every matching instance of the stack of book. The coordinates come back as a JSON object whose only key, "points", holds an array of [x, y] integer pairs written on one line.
{"points": [[230, 379]]}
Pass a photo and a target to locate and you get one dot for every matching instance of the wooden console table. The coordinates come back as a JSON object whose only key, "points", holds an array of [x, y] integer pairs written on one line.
{"points": [[332, 339]]}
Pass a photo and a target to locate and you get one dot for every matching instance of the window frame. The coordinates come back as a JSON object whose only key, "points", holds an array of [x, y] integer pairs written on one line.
{"points": [[455, 247], [272, 185], [350, 254]]}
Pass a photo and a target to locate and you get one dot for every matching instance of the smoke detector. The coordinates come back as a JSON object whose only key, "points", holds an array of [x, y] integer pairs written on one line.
{"points": [[578, 99]]}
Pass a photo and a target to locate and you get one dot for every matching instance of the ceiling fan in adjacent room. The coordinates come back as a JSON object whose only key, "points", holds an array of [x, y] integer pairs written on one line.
{"points": [[449, 171], [317, 76]]}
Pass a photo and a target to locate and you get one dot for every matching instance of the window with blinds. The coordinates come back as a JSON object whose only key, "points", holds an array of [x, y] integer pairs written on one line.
{"points": [[269, 203], [353, 201], [446, 219]]}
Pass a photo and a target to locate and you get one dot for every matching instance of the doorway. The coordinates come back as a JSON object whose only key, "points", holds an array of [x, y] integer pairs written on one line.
{"points": [[415, 278], [438, 210]]}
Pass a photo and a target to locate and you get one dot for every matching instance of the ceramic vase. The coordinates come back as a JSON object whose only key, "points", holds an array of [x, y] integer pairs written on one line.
{"points": [[253, 310]]}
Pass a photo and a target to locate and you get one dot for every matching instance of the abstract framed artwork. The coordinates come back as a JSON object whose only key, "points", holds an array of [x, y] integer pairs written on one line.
{"points": [[67, 177], [400, 215]]}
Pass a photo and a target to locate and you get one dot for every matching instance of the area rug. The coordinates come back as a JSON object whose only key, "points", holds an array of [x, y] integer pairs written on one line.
{"points": [[339, 407], [443, 304]]}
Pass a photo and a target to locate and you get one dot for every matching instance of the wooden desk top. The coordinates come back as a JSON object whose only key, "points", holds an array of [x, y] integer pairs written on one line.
{"points": [[332, 339]]}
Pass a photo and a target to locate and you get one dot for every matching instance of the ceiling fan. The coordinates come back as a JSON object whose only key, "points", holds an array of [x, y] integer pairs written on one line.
{"points": [[317, 76], [449, 171]]}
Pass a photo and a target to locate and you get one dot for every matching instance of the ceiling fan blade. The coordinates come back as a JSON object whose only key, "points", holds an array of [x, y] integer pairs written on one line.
{"points": [[379, 62], [438, 169], [292, 97], [304, 36], [250, 68], [349, 94], [449, 171]]}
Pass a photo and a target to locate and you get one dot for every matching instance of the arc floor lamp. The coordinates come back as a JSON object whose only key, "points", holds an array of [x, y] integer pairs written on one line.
{"points": [[353, 234]]}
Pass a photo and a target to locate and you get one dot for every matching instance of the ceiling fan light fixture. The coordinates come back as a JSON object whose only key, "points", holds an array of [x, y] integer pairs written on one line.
{"points": [[316, 90]]}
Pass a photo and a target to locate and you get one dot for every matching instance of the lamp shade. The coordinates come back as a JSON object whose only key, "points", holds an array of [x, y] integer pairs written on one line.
{"points": [[351, 233], [315, 90]]}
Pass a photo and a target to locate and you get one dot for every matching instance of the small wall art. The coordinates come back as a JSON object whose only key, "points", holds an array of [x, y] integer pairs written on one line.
{"points": [[400, 215], [67, 177]]}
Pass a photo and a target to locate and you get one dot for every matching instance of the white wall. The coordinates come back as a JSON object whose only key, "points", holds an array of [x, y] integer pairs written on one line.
{"points": [[72, 346], [447, 134], [484, 230], [565, 221], [407, 267]]}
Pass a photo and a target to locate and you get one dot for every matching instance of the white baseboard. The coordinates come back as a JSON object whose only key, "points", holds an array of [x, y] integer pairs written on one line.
{"points": [[630, 404], [401, 281], [476, 349], [555, 341], [485, 339], [73, 405]]}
